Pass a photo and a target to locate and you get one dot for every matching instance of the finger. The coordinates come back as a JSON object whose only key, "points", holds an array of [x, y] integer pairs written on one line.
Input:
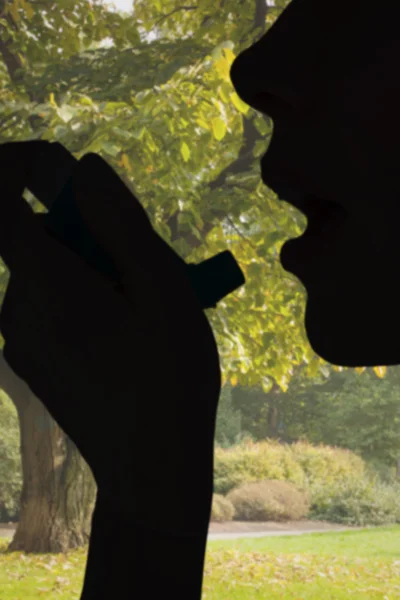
{"points": [[25, 246], [122, 227], [20, 232], [114, 214]]}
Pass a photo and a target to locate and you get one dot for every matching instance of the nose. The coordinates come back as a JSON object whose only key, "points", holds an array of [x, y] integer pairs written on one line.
{"points": [[257, 91], [265, 79]]}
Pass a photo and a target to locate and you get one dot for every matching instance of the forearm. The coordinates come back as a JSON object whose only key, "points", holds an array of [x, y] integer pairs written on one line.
{"points": [[131, 562]]}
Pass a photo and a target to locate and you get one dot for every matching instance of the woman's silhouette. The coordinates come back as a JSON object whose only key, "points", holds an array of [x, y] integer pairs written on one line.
{"points": [[329, 79]]}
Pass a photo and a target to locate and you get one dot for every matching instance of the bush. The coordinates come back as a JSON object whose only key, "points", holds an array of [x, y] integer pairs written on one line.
{"points": [[222, 509], [270, 500], [363, 502], [301, 463], [250, 462], [327, 465], [384, 472], [10, 460]]}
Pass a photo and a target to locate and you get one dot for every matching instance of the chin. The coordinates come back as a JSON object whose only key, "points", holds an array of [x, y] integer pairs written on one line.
{"points": [[349, 338]]}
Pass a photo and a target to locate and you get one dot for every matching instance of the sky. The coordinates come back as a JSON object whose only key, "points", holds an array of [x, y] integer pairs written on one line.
{"points": [[124, 5], [127, 7]]}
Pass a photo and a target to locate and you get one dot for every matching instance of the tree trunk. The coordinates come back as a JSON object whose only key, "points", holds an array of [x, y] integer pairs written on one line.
{"points": [[59, 490], [273, 421]]}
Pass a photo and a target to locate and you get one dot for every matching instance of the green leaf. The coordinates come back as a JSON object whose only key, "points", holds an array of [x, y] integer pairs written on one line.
{"points": [[86, 100], [126, 135], [267, 339], [239, 104], [185, 151], [66, 113], [138, 133], [260, 148], [111, 149], [219, 128], [266, 384], [262, 125], [217, 53], [203, 124], [112, 107], [224, 90], [151, 144], [164, 230]]}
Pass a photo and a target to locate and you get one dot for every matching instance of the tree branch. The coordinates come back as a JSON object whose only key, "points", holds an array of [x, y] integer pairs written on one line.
{"points": [[174, 11], [13, 63], [240, 165], [260, 16], [244, 159]]}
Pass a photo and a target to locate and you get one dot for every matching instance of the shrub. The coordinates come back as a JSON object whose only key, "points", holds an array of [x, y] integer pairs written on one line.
{"points": [[10, 460], [250, 462], [270, 500], [358, 502], [301, 463], [326, 464], [222, 509]]}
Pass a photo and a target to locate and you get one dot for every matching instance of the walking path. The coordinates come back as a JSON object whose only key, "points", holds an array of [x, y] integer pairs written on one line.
{"points": [[240, 529], [253, 534]]}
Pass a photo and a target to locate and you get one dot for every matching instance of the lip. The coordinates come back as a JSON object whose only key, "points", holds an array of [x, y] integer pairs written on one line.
{"points": [[307, 250], [291, 187], [324, 217]]}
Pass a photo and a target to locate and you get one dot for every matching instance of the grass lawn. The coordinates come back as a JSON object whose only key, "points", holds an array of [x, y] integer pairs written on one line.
{"points": [[319, 566]]}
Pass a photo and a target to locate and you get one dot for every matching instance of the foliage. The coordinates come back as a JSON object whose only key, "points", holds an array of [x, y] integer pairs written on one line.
{"points": [[164, 114], [327, 464], [222, 509], [300, 463], [358, 412], [228, 425], [357, 502], [269, 500], [229, 431], [362, 414], [10, 460]]}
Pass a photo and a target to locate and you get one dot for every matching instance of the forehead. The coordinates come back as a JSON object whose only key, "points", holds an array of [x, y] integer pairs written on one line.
{"points": [[316, 48]]}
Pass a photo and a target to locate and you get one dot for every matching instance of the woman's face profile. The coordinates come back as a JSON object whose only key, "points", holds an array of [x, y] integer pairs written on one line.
{"points": [[333, 93]]}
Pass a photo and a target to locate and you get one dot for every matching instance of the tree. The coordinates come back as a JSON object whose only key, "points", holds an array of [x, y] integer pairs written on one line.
{"points": [[361, 414], [59, 490], [229, 429], [164, 114]]}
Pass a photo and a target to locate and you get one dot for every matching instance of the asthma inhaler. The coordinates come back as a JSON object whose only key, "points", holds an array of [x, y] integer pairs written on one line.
{"points": [[51, 183]]}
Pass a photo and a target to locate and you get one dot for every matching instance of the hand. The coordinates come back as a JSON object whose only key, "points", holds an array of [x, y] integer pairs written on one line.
{"points": [[132, 375]]}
